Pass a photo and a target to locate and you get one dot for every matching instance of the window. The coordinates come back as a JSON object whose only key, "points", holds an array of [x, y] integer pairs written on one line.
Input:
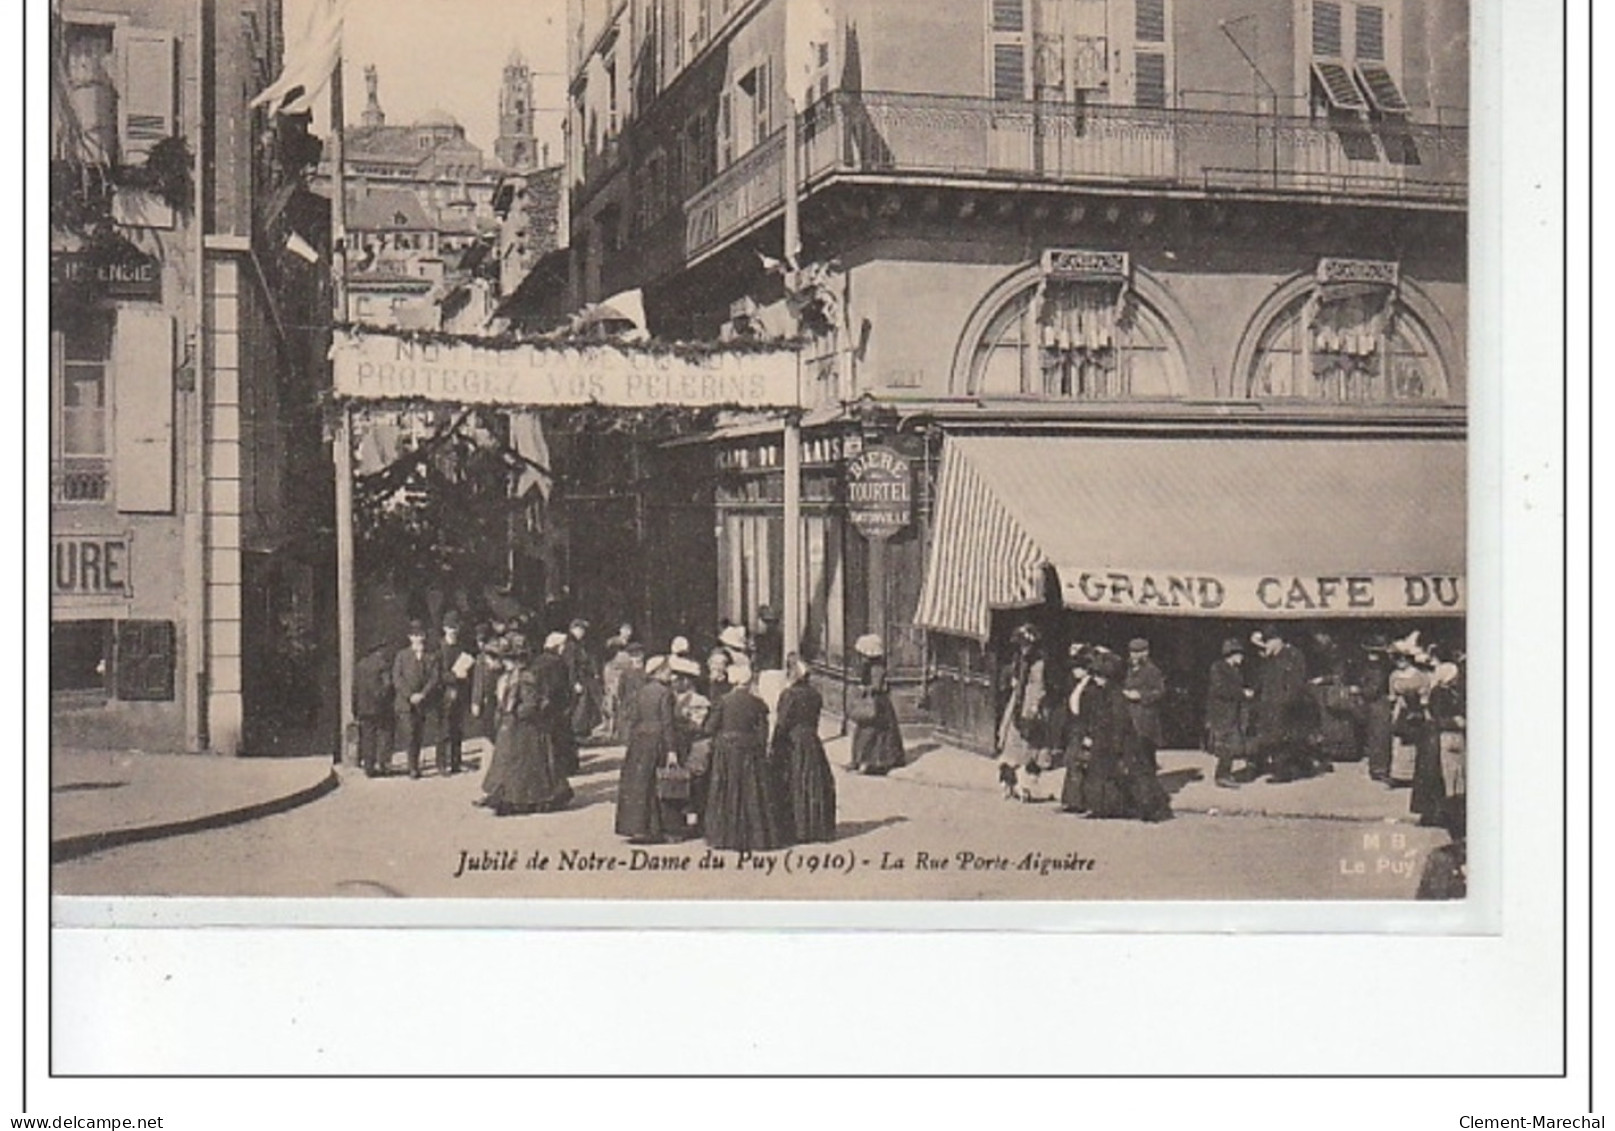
{"points": [[1150, 77], [1370, 33], [1150, 21], [1007, 76], [1326, 37], [91, 129], [1077, 340], [81, 656], [123, 659], [1348, 345], [86, 350]]}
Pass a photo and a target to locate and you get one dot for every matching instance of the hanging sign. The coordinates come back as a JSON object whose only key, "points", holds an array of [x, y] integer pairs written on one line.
{"points": [[1274, 595], [384, 367], [879, 492]]}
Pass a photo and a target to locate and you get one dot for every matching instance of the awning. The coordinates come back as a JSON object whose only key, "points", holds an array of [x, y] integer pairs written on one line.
{"points": [[1258, 528]]}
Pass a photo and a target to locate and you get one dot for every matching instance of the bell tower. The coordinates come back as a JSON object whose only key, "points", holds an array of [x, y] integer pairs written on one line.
{"points": [[373, 115], [517, 146]]}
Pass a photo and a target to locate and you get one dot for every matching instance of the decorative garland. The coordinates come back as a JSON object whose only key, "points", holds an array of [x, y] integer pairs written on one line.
{"points": [[688, 351]]}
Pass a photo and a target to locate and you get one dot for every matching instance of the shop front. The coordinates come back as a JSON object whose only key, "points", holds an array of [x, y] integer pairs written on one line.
{"points": [[1185, 542]]}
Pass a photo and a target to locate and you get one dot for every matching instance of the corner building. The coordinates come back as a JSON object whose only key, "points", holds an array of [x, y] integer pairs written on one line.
{"points": [[1164, 302]]}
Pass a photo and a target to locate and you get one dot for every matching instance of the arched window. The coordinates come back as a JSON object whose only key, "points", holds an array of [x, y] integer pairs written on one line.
{"points": [[1077, 340], [1356, 344]]}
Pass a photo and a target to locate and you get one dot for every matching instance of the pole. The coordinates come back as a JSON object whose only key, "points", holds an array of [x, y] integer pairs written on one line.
{"points": [[342, 442], [792, 616]]}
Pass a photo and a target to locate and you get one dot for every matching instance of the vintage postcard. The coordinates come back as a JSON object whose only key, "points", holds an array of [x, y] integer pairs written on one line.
{"points": [[761, 451]]}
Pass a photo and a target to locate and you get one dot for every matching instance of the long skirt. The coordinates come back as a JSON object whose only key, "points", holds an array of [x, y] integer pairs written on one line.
{"points": [[810, 788], [878, 746], [743, 810], [1104, 787], [639, 813], [1073, 793], [1125, 786], [1429, 790], [523, 776]]}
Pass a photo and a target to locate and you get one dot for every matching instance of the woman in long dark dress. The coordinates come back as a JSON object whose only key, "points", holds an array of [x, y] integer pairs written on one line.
{"points": [[1121, 779], [798, 756], [1070, 728], [877, 744], [652, 743], [742, 808], [523, 776]]}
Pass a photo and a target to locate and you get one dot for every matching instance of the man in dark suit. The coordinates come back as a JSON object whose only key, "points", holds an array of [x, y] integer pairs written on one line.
{"points": [[373, 709], [456, 663], [417, 678], [1144, 689], [554, 681], [1281, 706], [1226, 694]]}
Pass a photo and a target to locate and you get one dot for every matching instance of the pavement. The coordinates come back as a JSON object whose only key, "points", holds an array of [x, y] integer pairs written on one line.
{"points": [[105, 798], [102, 799]]}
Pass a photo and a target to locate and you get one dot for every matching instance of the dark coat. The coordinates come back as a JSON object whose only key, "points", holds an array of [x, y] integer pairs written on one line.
{"points": [[800, 767], [1146, 679], [1281, 694], [1070, 729], [877, 746], [373, 686], [412, 676], [1225, 700], [743, 810], [523, 775], [549, 672], [456, 695], [651, 738]]}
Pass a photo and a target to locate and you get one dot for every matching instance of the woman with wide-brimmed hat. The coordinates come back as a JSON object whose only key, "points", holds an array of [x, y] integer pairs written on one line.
{"points": [[523, 776], [807, 785], [877, 740], [743, 810]]}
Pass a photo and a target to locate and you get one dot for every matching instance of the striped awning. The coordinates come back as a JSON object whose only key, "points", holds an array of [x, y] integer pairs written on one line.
{"points": [[1248, 527]]}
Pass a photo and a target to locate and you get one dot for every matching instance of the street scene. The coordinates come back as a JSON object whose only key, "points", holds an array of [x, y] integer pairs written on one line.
{"points": [[760, 449]]}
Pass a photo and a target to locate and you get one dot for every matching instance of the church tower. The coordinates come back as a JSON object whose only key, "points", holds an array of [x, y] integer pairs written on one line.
{"points": [[517, 147], [373, 115]]}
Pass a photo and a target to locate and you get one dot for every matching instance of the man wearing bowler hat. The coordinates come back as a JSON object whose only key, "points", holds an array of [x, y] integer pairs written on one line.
{"points": [[1144, 689], [1278, 725], [1226, 695], [417, 678], [456, 664]]}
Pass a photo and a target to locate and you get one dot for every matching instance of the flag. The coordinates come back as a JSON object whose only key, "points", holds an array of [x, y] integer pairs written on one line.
{"points": [[527, 439], [308, 62], [301, 248]]}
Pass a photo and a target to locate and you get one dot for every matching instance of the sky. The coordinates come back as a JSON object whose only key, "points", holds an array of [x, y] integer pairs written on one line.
{"points": [[449, 55]]}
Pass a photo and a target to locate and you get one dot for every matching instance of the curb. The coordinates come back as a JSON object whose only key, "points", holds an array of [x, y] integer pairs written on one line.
{"points": [[83, 844]]}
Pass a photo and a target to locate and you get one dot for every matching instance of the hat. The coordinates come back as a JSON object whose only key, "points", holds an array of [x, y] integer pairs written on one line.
{"points": [[1138, 644], [1376, 643], [1232, 646], [766, 613], [679, 647], [579, 622], [516, 647], [655, 664], [869, 645], [554, 640], [451, 619], [1025, 633], [1076, 650], [683, 665], [733, 637], [416, 628]]}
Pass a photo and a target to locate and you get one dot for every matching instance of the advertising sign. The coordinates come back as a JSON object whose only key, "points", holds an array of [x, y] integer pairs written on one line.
{"points": [[880, 492], [1276, 595]]}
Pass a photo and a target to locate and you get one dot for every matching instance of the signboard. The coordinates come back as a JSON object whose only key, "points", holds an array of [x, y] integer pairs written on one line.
{"points": [[880, 492], [91, 565], [1276, 595], [383, 367], [134, 275]]}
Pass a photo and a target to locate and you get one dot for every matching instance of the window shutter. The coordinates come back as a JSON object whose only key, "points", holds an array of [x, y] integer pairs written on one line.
{"points": [[1009, 15], [726, 130], [146, 106], [143, 410], [1370, 33], [143, 660], [1009, 72], [1150, 73], [1150, 21], [1326, 29]]}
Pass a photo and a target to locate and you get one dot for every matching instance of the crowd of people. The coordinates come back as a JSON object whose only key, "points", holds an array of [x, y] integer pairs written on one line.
{"points": [[729, 750], [1273, 710]]}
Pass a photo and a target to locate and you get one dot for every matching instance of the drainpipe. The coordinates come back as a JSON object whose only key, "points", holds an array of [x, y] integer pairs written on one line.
{"points": [[195, 434]]}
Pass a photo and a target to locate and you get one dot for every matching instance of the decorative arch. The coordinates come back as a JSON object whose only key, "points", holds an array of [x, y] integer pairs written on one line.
{"points": [[1382, 344], [1013, 344]]}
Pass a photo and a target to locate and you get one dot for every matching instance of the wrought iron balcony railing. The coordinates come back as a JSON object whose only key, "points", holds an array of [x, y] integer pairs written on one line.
{"points": [[987, 141]]}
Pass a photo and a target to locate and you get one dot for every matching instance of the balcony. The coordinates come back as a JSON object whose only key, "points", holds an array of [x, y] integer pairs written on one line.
{"points": [[1198, 152]]}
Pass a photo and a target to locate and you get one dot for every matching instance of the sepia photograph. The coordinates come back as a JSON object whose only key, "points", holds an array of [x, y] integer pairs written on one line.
{"points": [[760, 450]]}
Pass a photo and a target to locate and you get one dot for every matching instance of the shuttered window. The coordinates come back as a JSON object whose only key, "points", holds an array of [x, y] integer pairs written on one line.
{"points": [[143, 660], [146, 98], [1150, 73], [1326, 38], [1150, 21], [1009, 15], [1370, 33], [1009, 71], [143, 410]]}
